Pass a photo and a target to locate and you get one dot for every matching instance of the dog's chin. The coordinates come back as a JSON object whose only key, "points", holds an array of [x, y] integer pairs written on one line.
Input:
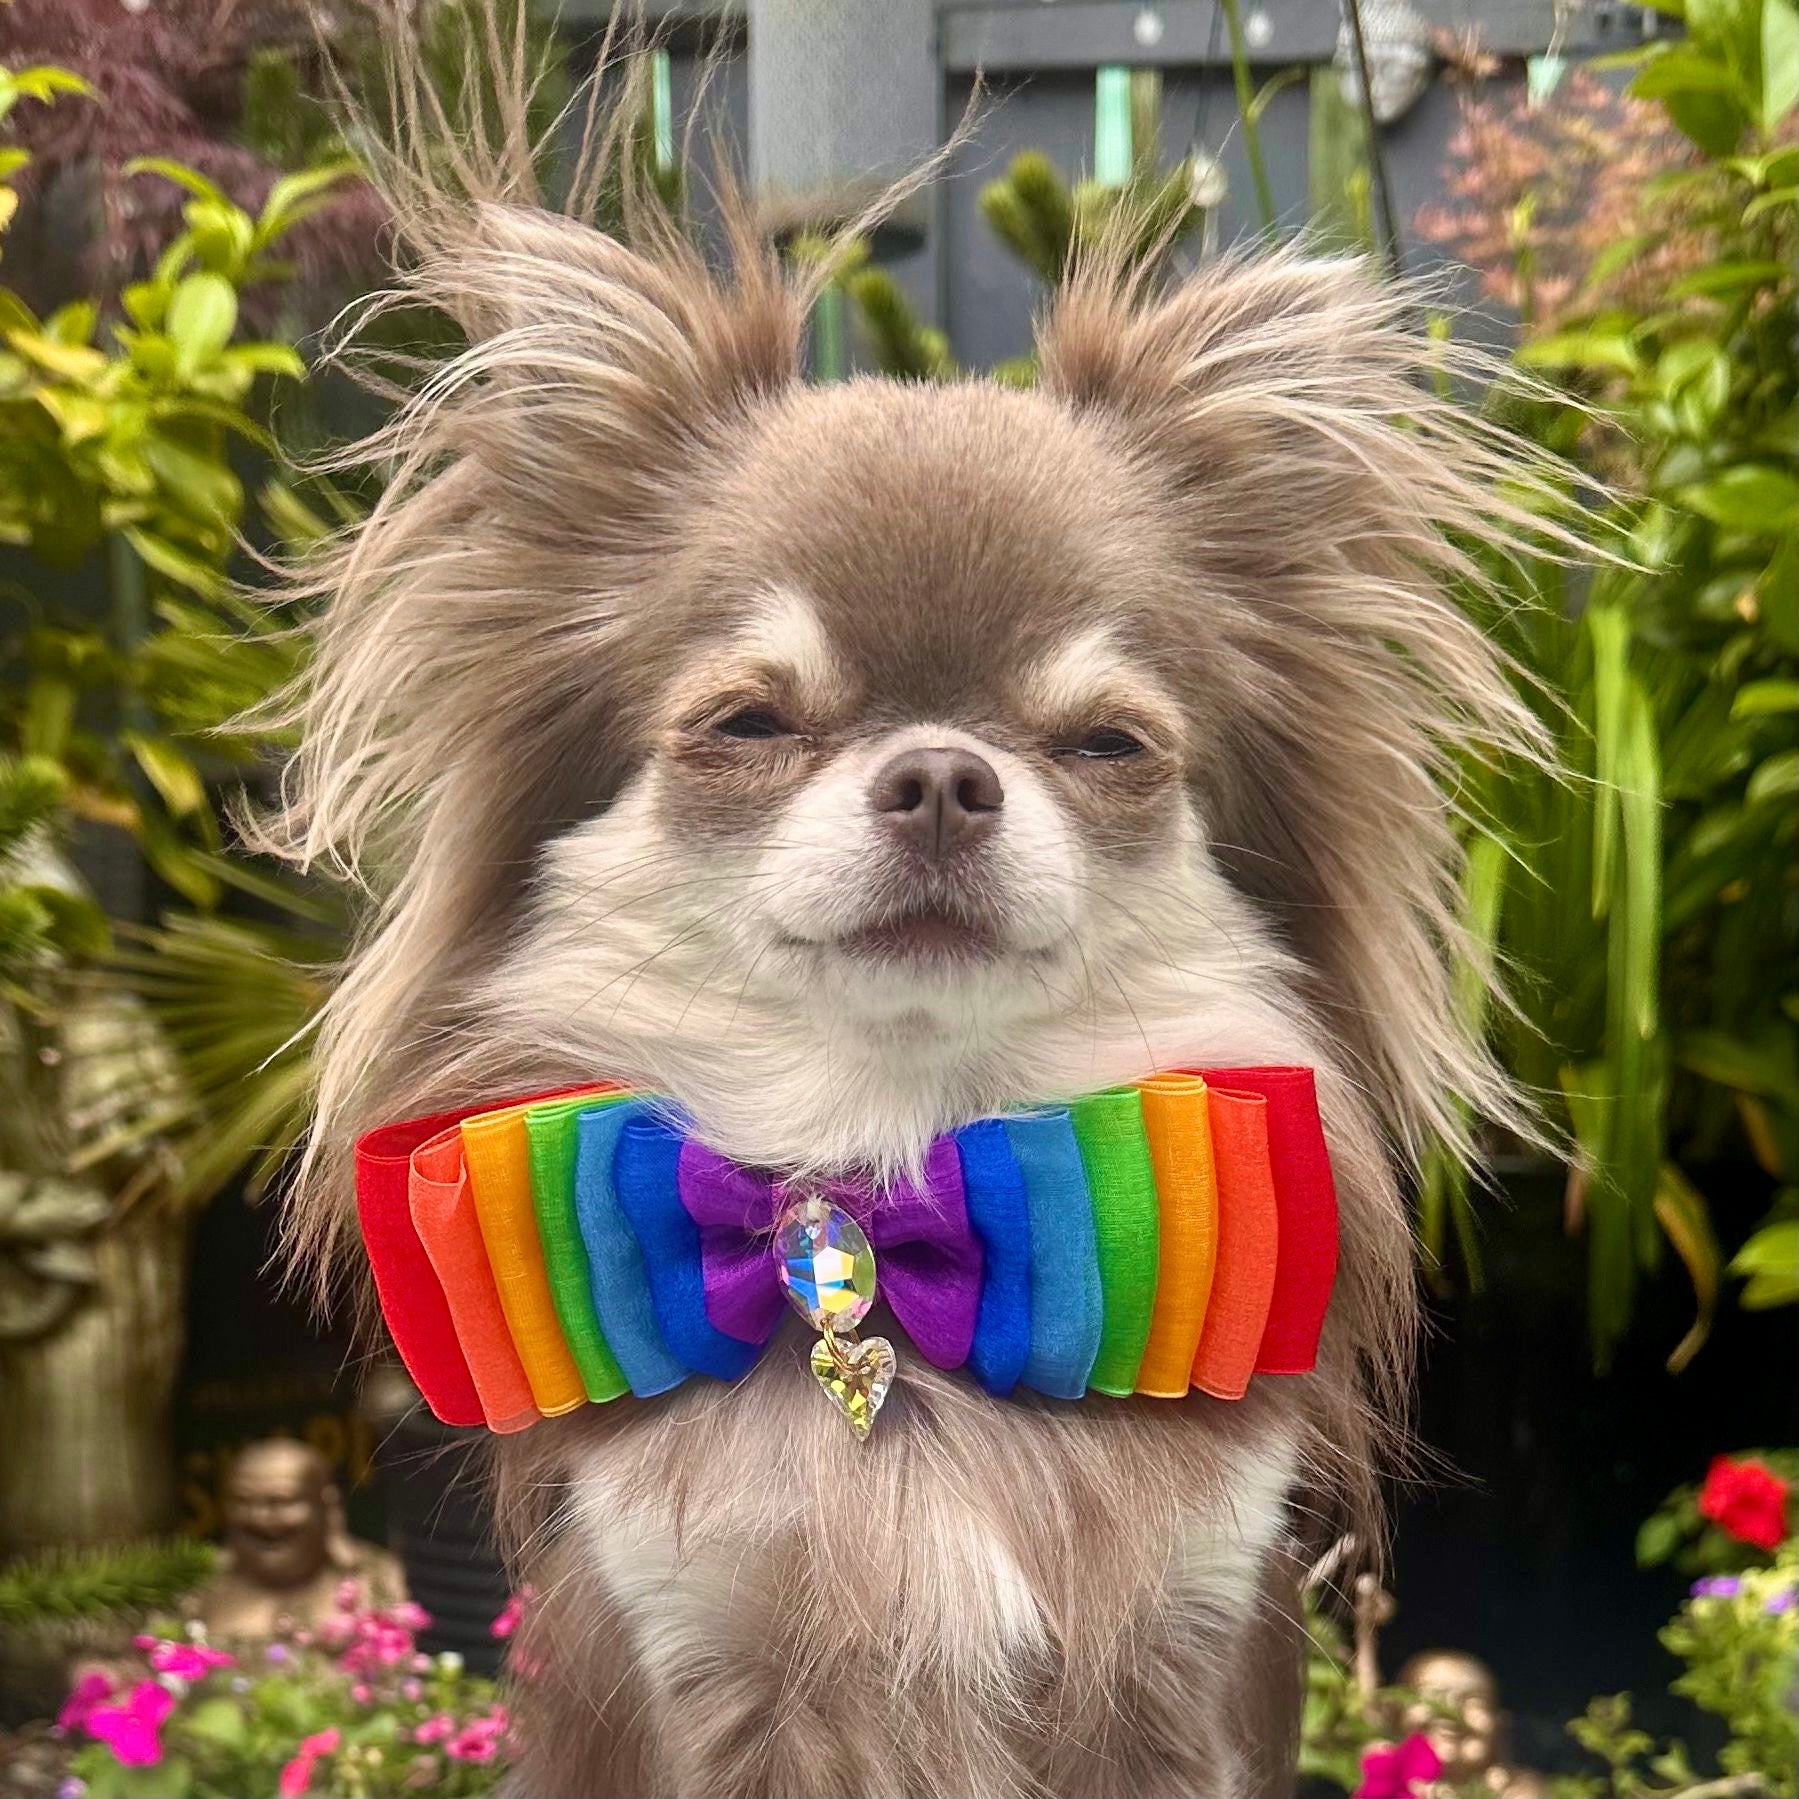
{"points": [[920, 976]]}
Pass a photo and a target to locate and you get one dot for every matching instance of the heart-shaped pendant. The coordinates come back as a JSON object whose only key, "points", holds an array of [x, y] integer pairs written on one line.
{"points": [[856, 1375]]}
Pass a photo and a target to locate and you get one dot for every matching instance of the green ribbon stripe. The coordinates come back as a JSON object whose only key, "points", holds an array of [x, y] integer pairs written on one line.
{"points": [[1126, 1227], [550, 1130]]}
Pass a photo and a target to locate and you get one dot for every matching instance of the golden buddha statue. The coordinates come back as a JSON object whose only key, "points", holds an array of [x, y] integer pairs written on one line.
{"points": [[287, 1550], [1457, 1712]]}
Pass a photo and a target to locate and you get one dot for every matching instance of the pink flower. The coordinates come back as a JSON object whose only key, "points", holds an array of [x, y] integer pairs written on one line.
{"points": [[434, 1730], [186, 1661], [471, 1745], [362, 1692], [513, 1613], [479, 1739], [412, 1689], [296, 1776], [132, 1730], [368, 1639], [410, 1616], [91, 1690], [1395, 1770]]}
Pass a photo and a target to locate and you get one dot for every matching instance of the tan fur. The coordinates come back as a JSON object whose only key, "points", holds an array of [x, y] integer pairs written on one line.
{"points": [[617, 514]]}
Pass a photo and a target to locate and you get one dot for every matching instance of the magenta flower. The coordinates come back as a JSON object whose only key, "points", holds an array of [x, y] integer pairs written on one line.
{"points": [[91, 1690], [479, 1739], [410, 1616], [296, 1775], [132, 1731], [472, 1745], [186, 1661], [435, 1730], [1396, 1770], [513, 1613]]}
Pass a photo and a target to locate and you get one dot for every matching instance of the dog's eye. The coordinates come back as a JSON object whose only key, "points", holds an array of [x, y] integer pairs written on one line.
{"points": [[1107, 744], [752, 724]]}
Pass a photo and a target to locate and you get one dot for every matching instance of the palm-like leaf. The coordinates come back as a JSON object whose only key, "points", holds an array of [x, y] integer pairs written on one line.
{"points": [[236, 998]]}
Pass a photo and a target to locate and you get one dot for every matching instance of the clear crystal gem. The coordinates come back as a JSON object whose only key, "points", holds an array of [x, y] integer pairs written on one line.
{"points": [[826, 1267], [857, 1376]]}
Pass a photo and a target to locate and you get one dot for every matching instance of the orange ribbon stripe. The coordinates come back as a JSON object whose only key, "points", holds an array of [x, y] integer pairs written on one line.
{"points": [[443, 1214], [1176, 1119], [1248, 1242]]}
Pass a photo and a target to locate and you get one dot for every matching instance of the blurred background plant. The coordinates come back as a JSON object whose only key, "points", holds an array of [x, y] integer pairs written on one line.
{"points": [[120, 417], [1648, 908], [1437, 1729]]}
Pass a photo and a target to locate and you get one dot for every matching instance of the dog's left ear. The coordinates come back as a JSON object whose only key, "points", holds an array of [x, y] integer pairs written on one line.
{"points": [[1286, 417]]}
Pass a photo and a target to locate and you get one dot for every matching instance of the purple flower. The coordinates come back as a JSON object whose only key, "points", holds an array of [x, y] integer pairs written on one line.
{"points": [[1717, 1586], [279, 1653], [1783, 1601]]}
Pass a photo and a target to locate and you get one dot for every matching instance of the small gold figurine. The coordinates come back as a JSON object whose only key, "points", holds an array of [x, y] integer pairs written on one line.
{"points": [[287, 1551], [1455, 1704], [1457, 1712]]}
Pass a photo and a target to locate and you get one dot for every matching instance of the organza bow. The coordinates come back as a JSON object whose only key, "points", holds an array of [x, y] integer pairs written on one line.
{"points": [[707, 1226]]}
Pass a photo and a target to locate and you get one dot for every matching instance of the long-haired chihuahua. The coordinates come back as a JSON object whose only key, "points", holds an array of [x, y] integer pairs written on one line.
{"points": [[849, 762]]}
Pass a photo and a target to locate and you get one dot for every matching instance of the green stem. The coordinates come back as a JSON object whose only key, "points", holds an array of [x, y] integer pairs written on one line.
{"points": [[1377, 161], [1252, 134], [828, 351], [130, 617]]}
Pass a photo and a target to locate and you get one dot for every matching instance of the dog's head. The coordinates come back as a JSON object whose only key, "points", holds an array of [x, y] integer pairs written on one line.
{"points": [[852, 760]]}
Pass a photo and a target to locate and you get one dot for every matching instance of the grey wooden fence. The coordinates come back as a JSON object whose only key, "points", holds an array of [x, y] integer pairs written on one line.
{"points": [[814, 85]]}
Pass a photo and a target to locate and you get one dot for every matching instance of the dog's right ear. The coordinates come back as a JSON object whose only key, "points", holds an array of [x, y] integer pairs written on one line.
{"points": [[598, 373], [534, 481]]}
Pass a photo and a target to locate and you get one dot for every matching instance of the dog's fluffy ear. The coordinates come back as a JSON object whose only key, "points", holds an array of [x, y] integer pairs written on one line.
{"points": [[535, 477], [1289, 413]]}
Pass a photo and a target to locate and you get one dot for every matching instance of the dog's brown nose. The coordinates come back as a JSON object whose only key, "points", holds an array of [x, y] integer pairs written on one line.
{"points": [[938, 801]]}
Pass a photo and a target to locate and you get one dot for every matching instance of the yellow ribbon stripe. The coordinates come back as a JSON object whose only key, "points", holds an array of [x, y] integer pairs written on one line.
{"points": [[498, 1155]]}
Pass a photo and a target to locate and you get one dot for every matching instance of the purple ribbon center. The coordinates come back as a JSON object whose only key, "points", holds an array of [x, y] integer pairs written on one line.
{"points": [[927, 1257]]}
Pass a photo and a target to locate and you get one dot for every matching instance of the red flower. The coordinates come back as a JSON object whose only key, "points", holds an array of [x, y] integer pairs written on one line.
{"points": [[1746, 1500], [1394, 1770]]}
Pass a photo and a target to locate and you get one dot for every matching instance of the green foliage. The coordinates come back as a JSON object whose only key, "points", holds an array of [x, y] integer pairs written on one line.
{"points": [[1738, 1641], [1337, 1723], [1044, 221], [1647, 903], [42, 84], [350, 1707], [41, 921], [120, 442], [134, 1579], [1736, 1637], [235, 1000]]}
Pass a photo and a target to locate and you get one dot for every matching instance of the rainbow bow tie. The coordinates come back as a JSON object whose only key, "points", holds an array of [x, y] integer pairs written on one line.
{"points": [[575, 1247]]}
